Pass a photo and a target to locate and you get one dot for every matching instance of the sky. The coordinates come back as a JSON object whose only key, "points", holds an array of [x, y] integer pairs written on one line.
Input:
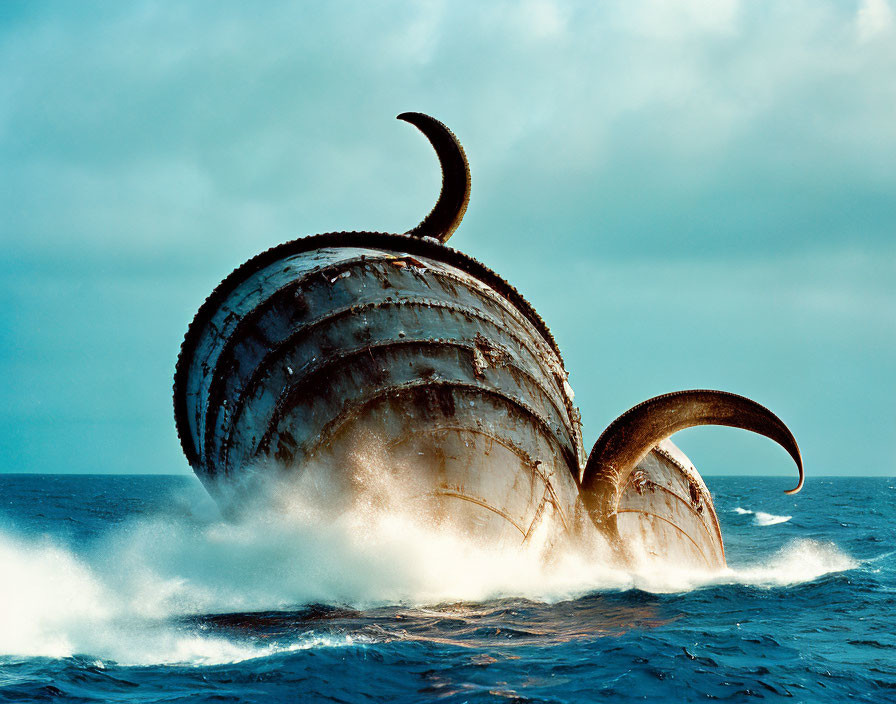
{"points": [[692, 193]]}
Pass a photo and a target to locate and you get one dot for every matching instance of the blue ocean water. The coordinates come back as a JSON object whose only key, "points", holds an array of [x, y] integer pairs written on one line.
{"points": [[133, 589]]}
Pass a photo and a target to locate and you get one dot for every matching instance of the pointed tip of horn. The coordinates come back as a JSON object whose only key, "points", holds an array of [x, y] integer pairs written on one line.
{"points": [[451, 205], [799, 464]]}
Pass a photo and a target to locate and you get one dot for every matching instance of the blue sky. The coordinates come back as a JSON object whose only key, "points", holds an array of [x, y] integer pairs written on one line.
{"points": [[692, 193]]}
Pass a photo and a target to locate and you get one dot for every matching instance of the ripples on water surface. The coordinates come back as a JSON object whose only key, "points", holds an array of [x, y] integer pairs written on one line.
{"points": [[132, 589]]}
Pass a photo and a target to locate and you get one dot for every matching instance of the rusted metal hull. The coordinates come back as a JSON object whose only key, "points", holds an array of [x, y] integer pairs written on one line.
{"points": [[351, 359], [387, 337], [396, 351]]}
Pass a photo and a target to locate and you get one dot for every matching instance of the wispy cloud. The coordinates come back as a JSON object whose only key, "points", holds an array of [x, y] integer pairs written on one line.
{"points": [[875, 19], [723, 124]]}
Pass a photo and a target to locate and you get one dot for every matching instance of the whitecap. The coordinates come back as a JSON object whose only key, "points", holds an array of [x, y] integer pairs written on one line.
{"points": [[769, 519], [761, 518]]}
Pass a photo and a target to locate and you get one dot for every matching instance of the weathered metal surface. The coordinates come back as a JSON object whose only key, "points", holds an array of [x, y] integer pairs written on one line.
{"points": [[333, 343], [665, 512], [340, 354]]}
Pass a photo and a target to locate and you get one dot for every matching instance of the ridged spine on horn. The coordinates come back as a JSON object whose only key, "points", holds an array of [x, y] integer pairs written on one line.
{"points": [[454, 196], [629, 439]]}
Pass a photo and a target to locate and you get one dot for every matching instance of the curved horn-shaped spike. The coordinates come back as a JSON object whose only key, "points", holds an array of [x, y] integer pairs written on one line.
{"points": [[449, 209], [629, 438]]}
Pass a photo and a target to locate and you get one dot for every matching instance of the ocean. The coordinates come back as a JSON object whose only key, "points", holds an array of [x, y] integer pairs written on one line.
{"points": [[135, 589]]}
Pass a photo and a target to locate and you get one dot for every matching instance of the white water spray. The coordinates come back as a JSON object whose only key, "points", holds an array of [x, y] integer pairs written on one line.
{"points": [[120, 598]]}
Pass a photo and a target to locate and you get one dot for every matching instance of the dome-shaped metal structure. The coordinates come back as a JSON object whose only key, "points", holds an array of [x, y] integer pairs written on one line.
{"points": [[399, 352]]}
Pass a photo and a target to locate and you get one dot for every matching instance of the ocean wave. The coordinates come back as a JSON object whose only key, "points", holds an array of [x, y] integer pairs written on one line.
{"points": [[760, 518], [128, 597], [56, 604], [798, 562], [769, 519]]}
